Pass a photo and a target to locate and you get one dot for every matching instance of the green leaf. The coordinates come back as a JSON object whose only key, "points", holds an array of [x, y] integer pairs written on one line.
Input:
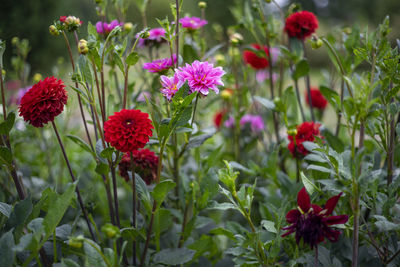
{"points": [[85, 69], [198, 140], [269, 226], [333, 141], [77, 140], [118, 62], [7, 254], [319, 168], [19, 214], [93, 256], [57, 210], [5, 155], [132, 59], [161, 190], [69, 263], [174, 256], [143, 192], [6, 126], [223, 231], [310, 187], [330, 95], [265, 102], [5, 209], [221, 206], [301, 69], [107, 153], [102, 168]]}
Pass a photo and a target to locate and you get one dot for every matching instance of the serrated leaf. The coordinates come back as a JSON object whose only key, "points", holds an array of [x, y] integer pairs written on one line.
{"points": [[198, 140], [269, 226], [174, 256], [221, 206], [161, 190], [5, 209], [310, 186], [19, 214], [7, 254], [77, 140], [92, 255]]}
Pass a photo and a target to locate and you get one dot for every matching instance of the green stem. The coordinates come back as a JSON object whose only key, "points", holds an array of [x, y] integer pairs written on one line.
{"points": [[54, 247]]}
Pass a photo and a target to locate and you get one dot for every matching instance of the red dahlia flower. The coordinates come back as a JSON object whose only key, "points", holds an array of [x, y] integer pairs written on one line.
{"points": [[301, 24], [312, 223], [307, 131], [63, 18], [317, 99], [218, 118], [145, 163], [128, 130], [254, 60], [43, 102]]}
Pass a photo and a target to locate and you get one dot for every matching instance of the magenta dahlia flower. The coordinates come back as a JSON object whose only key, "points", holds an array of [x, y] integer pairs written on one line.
{"points": [[160, 65], [312, 223], [256, 122], [106, 28], [170, 85], [192, 23], [155, 37], [201, 76]]}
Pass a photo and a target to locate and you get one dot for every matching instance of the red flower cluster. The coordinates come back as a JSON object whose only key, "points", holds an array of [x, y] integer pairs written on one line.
{"points": [[312, 223], [145, 164], [128, 130], [254, 60], [63, 18], [43, 102], [301, 24], [317, 99], [307, 131]]}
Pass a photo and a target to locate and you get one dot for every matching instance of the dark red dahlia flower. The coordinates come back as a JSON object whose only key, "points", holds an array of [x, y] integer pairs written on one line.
{"points": [[307, 131], [312, 223], [301, 24], [128, 130], [317, 99], [254, 60], [43, 102], [145, 163]]}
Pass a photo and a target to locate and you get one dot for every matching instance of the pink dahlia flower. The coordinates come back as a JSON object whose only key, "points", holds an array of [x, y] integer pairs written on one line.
{"points": [[106, 28], [256, 122], [155, 37], [201, 76], [192, 23], [160, 65], [170, 85]]}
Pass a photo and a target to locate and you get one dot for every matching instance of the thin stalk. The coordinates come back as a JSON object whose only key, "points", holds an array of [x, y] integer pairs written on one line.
{"points": [[125, 99], [339, 118], [184, 222], [3, 98], [73, 179], [390, 152], [296, 86], [146, 245], [177, 31], [307, 78], [77, 86], [115, 192], [98, 91], [133, 206]]}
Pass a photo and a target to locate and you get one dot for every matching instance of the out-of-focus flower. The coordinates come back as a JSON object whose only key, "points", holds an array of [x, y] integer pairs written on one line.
{"points": [[307, 131], [202, 5], [192, 23], [218, 118], [142, 96], [145, 163], [256, 122], [262, 75], [317, 99], [312, 223], [128, 26], [230, 122], [53, 30], [105, 28], [201, 76], [236, 38], [161, 65], [254, 60], [301, 24], [43, 102], [227, 93], [128, 130], [170, 85], [156, 37], [37, 77]]}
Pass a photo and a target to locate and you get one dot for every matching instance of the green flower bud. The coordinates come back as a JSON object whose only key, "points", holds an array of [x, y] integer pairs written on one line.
{"points": [[292, 132], [37, 77], [144, 35], [76, 242], [316, 42], [128, 26], [110, 230], [202, 5], [15, 40], [83, 48], [53, 30]]}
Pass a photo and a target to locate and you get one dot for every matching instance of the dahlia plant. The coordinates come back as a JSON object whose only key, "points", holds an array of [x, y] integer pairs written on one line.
{"points": [[166, 173]]}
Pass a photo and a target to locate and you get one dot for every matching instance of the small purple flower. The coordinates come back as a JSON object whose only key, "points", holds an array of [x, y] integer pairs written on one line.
{"points": [[21, 93], [192, 23], [160, 65], [155, 37], [142, 96], [256, 122], [201, 76], [170, 85], [275, 53], [105, 28], [230, 122], [263, 75]]}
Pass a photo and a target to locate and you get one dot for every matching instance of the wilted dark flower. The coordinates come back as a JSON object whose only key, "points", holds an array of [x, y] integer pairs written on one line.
{"points": [[145, 163]]}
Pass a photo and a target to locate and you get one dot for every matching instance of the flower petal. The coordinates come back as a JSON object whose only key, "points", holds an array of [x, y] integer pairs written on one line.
{"points": [[303, 200], [339, 219], [292, 216], [331, 204]]}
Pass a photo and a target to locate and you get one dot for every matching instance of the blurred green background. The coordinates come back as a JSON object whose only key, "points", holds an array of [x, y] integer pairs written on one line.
{"points": [[30, 19]]}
